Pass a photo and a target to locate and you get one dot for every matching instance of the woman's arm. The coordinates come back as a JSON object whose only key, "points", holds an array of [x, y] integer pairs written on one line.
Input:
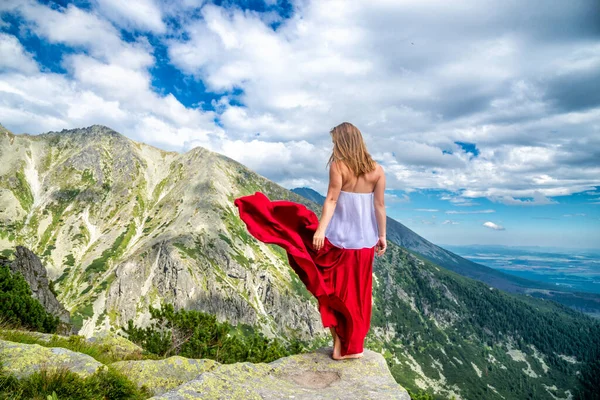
{"points": [[380, 212], [333, 192]]}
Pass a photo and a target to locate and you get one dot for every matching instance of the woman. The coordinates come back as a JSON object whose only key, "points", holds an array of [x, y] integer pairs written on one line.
{"points": [[332, 256]]}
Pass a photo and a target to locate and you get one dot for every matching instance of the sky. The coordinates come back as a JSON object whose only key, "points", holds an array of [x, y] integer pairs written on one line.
{"points": [[484, 114]]}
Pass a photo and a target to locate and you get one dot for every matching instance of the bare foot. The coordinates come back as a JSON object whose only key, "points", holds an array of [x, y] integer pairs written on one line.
{"points": [[337, 345], [357, 355]]}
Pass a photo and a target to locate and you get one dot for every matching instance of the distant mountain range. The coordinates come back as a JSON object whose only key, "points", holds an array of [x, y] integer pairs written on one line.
{"points": [[120, 225], [403, 236]]}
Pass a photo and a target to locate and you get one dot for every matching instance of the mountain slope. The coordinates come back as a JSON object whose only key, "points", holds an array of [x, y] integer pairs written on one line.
{"points": [[121, 225], [403, 236]]}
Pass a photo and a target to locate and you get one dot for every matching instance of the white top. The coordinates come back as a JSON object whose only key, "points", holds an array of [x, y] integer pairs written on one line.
{"points": [[353, 225]]}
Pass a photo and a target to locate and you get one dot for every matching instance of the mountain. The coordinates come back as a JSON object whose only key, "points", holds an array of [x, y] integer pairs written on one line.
{"points": [[120, 225], [403, 236]]}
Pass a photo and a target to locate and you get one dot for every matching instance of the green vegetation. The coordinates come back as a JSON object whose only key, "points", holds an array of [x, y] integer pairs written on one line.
{"points": [[446, 323], [195, 334], [106, 383], [87, 177], [69, 260], [99, 265], [83, 312], [57, 208], [7, 253], [103, 353], [19, 308], [22, 191]]}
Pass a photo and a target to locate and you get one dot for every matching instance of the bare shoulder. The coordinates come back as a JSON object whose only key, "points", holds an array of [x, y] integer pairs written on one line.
{"points": [[339, 166]]}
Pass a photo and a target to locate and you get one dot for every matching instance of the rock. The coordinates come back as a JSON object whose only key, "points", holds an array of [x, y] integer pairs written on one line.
{"points": [[303, 376], [30, 266], [23, 360], [160, 376], [117, 346]]}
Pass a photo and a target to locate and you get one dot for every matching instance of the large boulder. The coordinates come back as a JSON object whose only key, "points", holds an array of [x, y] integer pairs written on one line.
{"points": [[109, 344], [22, 360], [302, 376], [160, 376], [117, 346]]}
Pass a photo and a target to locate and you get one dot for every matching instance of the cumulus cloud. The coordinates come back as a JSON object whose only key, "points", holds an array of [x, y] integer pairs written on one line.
{"points": [[493, 226], [413, 94], [13, 56], [108, 82], [133, 14], [417, 83]]}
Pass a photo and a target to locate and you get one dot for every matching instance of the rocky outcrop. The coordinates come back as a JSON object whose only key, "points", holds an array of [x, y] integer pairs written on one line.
{"points": [[302, 376], [160, 376], [116, 346], [30, 266], [22, 360]]}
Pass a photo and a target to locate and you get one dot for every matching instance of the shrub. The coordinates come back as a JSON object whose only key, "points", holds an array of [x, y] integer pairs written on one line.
{"points": [[18, 307], [194, 334], [106, 383]]}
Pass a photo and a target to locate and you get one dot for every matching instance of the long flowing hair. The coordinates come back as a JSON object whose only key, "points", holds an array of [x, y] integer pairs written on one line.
{"points": [[349, 148]]}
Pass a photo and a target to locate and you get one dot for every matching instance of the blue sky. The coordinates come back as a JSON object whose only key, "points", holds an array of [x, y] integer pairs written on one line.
{"points": [[486, 111]]}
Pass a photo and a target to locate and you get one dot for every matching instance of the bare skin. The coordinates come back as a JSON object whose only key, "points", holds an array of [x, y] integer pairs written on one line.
{"points": [[337, 345], [341, 178]]}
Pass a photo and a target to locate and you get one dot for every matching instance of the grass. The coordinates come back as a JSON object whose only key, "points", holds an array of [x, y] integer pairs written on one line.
{"points": [[106, 383], [22, 191], [101, 353], [99, 265]]}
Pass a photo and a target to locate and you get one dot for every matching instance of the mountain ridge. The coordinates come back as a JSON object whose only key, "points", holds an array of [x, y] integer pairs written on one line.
{"points": [[120, 228]]}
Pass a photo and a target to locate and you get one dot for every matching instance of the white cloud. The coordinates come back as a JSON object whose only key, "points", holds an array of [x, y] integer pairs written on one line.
{"points": [[426, 209], [537, 199], [414, 81], [85, 30], [411, 94], [134, 14], [108, 83], [393, 198], [14, 57], [493, 226], [450, 222], [470, 212]]}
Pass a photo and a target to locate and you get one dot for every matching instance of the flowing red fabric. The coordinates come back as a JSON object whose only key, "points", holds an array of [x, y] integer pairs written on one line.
{"points": [[340, 279]]}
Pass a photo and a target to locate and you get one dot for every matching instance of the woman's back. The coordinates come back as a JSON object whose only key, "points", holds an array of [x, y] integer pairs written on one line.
{"points": [[354, 224], [364, 183]]}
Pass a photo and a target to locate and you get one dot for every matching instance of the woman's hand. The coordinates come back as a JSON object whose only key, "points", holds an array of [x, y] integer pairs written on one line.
{"points": [[381, 245], [318, 239]]}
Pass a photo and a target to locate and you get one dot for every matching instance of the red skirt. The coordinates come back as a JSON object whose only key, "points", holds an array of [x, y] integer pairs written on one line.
{"points": [[340, 279]]}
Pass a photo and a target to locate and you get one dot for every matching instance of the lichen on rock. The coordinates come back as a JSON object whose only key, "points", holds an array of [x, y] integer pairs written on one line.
{"points": [[117, 346], [302, 376], [159, 376], [22, 360]]}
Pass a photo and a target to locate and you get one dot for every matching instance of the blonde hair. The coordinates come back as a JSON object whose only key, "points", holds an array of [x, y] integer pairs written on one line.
{"points": [[349, 148]]}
